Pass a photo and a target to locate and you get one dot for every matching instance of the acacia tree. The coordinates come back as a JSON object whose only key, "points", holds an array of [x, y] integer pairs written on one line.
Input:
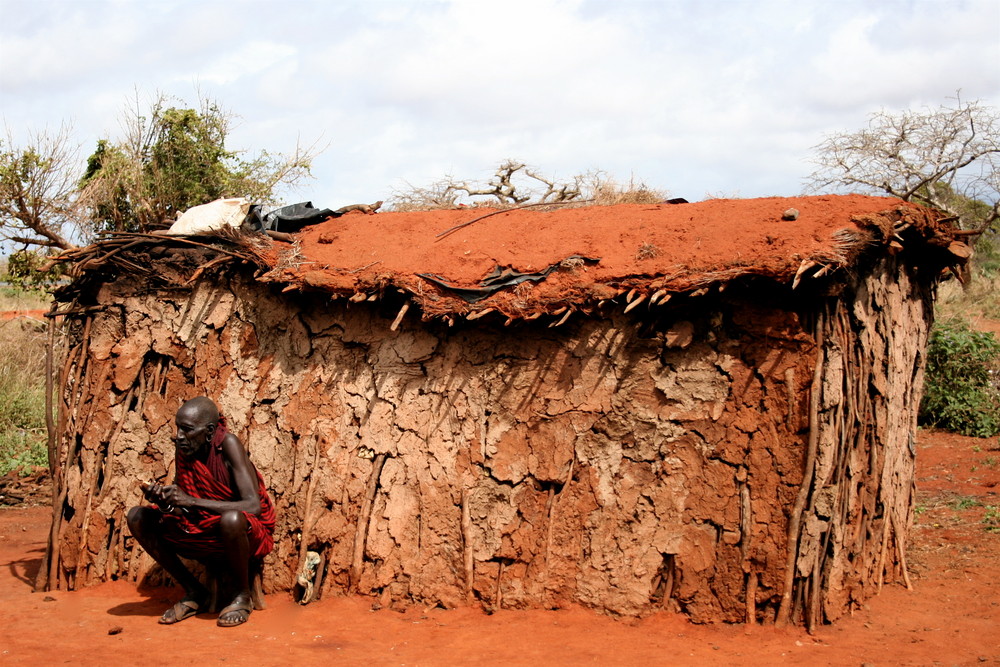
{"points": [[37, 189], [945, 157]]}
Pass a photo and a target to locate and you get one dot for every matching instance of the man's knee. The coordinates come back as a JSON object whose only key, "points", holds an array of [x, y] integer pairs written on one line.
{"points": [[139, 519], [233, 523]]}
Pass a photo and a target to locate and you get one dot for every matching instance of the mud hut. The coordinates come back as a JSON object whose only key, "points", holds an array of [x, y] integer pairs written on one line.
{"points": [[701, 407]]}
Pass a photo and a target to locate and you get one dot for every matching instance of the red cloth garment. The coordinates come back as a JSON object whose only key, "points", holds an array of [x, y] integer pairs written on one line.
{"points": [[195, 533]]}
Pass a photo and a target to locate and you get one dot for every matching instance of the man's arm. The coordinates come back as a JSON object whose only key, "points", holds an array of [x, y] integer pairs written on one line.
{"points": [[243, 476]]}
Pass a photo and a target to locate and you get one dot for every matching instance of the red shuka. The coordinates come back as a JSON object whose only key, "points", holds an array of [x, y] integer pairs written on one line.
{"points": [[195, 533]]}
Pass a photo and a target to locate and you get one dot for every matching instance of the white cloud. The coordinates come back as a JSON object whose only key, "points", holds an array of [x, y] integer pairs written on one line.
{"points": [[249, 59], [695, 97], [62, 51]]}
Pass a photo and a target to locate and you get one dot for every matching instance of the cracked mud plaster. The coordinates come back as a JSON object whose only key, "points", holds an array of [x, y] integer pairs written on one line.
{"points": [[591, 456]]}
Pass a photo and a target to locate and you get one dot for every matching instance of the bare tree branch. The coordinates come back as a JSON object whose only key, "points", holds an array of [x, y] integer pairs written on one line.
{"points": [[945, 157], [516, 184], [37, 189]]}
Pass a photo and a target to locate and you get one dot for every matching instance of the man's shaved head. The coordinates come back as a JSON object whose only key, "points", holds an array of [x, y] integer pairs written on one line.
{"points": [[196, 423], [201, 409]]}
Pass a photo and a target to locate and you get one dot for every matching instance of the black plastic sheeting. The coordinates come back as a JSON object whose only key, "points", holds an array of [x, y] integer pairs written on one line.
{"points": [[294, 217], [499, 278], [286, 219]]}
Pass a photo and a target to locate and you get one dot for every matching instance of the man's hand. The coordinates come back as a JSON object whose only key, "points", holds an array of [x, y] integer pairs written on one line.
{"points": [[168, 497], [178, 498]]}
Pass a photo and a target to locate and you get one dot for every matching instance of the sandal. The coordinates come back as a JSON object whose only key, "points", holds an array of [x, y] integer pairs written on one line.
{"points": [[242, 613], [186, 608]]}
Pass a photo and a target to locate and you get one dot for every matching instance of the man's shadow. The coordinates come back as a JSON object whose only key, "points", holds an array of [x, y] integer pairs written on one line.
{"points": [[155, 588], [26, 569], [159, 592]]}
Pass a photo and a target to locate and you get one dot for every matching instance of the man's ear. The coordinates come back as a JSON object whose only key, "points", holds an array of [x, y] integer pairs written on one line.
{"points": [[209, 432]]}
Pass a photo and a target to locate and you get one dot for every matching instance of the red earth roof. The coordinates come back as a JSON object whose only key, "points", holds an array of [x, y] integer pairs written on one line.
{"points": [[671, 247]]}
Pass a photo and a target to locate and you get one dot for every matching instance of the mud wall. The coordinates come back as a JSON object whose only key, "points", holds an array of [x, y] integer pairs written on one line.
{"points": [[625, 463], [859, 501]]}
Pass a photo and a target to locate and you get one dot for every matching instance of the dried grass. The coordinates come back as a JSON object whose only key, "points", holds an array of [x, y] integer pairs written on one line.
{"points": [[22, 395], [571, 264], [978, 300], [647, 251], [12, 298], [609, 192]]}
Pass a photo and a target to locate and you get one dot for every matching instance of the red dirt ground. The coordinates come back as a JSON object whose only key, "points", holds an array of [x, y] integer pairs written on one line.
{"points": [[17, 314], [951, 616]]}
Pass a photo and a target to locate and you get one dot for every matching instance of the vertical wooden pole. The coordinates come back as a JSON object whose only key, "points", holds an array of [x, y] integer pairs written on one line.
{"points": [[795, 520], [468, 552], [364, 516]]}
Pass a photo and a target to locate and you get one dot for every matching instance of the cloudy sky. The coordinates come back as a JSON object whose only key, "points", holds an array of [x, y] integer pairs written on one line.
{"points": [[695, 97]]}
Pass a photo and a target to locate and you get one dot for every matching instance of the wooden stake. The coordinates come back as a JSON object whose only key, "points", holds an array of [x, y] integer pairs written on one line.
{"points": [[364, 516], [562, 319], [751, 599], [481, 313], [52, 553], [60, 483], [80, 365], [109, 561], [50, 425], [639, 299], [668, 587], [746, 517], [813, 593], [318, 581], [657, 295], [280, 236], [399, 317], [462, 225], [795, 520], [803, 267], [497, 596], [550, 510], [552, 502], [901, 550], [85, 527], [307, 513], [793, 392], [880, 567], [468, 552]]}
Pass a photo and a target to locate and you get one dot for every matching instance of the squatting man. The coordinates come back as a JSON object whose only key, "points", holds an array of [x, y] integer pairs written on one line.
{"points": [[217, 509]]}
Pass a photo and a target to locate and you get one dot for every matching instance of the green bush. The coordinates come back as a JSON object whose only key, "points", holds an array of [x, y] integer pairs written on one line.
{"points": [[24, 270], [22, 397], [22, 451], [962, 382]]}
